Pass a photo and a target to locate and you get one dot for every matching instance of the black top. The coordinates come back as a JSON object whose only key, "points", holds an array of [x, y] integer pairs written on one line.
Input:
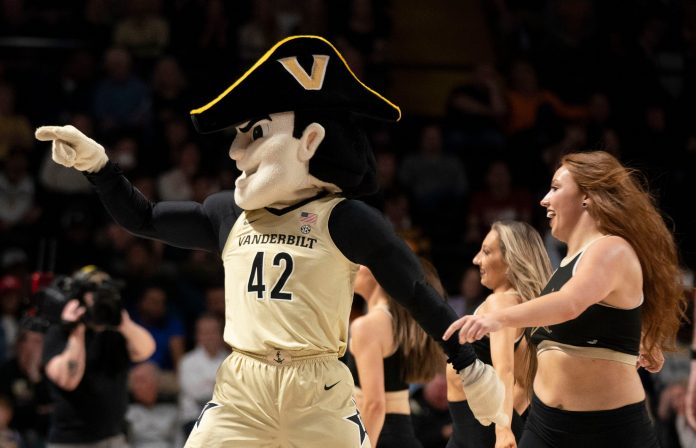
{"points": [[393, 371], [360, 232], [482, 347], [96, 409], [598, 326]]}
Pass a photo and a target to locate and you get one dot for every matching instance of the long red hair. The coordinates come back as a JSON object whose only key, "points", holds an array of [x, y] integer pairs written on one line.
{"points": [[622, 206]]}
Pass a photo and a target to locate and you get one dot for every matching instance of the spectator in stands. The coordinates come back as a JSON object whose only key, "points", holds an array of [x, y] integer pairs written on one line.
{"points": [[366, 27], [259, 33], [17, 192], [177, 183], [527, 100], [434, 177], [9, 438], [15, 129], [471, 293], [170, 96], [474, 113], [215, 301], [143, 31], [23, 383], [498, 202], [121, 99], [11, 295], [198, 368], [77, 82], [124, 151], [164, 326], [152, 421], [430, 414], [19, 209]]}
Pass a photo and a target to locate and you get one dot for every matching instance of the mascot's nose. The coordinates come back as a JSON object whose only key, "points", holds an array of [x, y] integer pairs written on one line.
{"points": [[236, 153]]}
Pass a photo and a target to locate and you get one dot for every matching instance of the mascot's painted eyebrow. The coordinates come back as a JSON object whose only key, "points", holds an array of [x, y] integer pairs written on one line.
{"points": [[253, 121]]}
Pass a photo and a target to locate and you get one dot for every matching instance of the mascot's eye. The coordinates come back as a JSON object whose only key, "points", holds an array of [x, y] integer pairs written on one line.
{"points": [[257, 132]]}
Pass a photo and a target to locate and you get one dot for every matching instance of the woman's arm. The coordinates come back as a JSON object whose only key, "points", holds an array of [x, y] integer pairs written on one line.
{"points": [[503, 357], [599, 274], [455, 391], [367, 337]]}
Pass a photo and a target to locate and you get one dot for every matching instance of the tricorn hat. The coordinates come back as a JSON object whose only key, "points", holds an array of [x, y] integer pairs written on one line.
{"points": [[298, 73]]}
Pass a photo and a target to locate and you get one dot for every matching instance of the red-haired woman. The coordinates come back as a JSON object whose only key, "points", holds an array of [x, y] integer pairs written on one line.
{"points": [[614, 303]]}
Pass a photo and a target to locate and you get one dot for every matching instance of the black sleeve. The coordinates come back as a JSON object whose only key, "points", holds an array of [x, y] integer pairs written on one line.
{"points": [[365, 237], [184, 224]]}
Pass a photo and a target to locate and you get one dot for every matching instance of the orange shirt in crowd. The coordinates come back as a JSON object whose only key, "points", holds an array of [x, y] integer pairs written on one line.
{"points": [[523, 107]]}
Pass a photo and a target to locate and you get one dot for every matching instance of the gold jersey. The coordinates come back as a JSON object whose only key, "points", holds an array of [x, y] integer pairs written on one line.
{"points": [[287, 286]]}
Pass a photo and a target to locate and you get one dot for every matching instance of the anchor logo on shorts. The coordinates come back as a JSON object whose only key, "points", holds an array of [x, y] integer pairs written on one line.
{"points": [[279, 359]]}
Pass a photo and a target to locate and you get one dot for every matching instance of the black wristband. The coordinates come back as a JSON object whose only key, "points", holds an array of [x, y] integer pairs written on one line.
{"points": [[692, 351], [69, 326]]}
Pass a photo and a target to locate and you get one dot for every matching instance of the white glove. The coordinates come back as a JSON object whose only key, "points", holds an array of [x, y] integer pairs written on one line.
{"points": [[72, 148], [484, 393]]}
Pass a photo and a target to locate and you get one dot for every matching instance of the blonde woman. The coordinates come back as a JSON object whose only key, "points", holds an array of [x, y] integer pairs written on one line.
{"points": [[614, 303], [388, 351], [515, 267]]}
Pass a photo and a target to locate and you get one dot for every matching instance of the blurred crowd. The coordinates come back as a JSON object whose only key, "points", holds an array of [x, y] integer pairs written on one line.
{"points": [[567, 75]]}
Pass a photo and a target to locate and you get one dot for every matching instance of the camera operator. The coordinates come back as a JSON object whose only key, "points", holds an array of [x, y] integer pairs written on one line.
{"points": [[87, 354]]}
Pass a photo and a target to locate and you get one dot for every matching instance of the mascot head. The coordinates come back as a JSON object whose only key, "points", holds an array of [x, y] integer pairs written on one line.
{"points": [[297, 115]]}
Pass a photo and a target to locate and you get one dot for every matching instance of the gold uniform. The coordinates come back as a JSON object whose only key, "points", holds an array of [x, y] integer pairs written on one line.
{"points": [[288, 297]]}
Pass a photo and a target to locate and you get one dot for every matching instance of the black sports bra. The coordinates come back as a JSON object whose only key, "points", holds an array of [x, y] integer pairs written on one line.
{"points": [[393, 367], [601, 331]]}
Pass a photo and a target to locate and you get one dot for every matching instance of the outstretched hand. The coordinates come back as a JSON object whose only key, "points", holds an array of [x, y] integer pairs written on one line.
{"points": [[473, 327], [73, 149]]}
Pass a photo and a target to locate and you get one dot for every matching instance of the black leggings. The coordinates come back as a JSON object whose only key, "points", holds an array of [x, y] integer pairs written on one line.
{"points": [[467, 432], [627, 427], [397, 432]]}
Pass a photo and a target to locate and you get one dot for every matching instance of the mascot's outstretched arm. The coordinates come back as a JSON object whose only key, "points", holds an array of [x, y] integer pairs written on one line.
{"points": [[184, 224], [365, 238]]}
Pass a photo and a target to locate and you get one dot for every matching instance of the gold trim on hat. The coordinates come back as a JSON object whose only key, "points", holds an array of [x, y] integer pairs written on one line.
{"points": [[268, 55]]}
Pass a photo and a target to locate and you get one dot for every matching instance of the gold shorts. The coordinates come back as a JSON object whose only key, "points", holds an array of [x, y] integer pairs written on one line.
{"points": [[301, 402]]}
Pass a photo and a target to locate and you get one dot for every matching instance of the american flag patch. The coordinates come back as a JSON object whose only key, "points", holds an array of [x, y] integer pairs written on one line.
{"points": [[308, 218]]}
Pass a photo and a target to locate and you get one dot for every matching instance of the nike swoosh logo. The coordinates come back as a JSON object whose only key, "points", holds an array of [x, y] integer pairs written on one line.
{"points": [[329, 387]]}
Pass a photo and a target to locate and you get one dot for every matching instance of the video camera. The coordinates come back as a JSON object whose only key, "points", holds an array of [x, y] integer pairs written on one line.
{"points": [[94, 289]]}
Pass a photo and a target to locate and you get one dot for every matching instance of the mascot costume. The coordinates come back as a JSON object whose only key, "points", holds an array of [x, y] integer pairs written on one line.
{"points": [[291, 239]]}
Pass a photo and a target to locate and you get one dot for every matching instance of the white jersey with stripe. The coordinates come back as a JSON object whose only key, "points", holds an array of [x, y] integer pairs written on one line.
{"points": [[287, 286]]}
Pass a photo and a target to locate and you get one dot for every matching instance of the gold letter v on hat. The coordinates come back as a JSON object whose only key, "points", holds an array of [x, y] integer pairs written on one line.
{"points": [[308, 82]]}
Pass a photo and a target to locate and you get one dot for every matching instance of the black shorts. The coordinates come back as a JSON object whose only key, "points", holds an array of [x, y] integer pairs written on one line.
{"points": [[467, 432], [627, 427], [397, 432]]}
